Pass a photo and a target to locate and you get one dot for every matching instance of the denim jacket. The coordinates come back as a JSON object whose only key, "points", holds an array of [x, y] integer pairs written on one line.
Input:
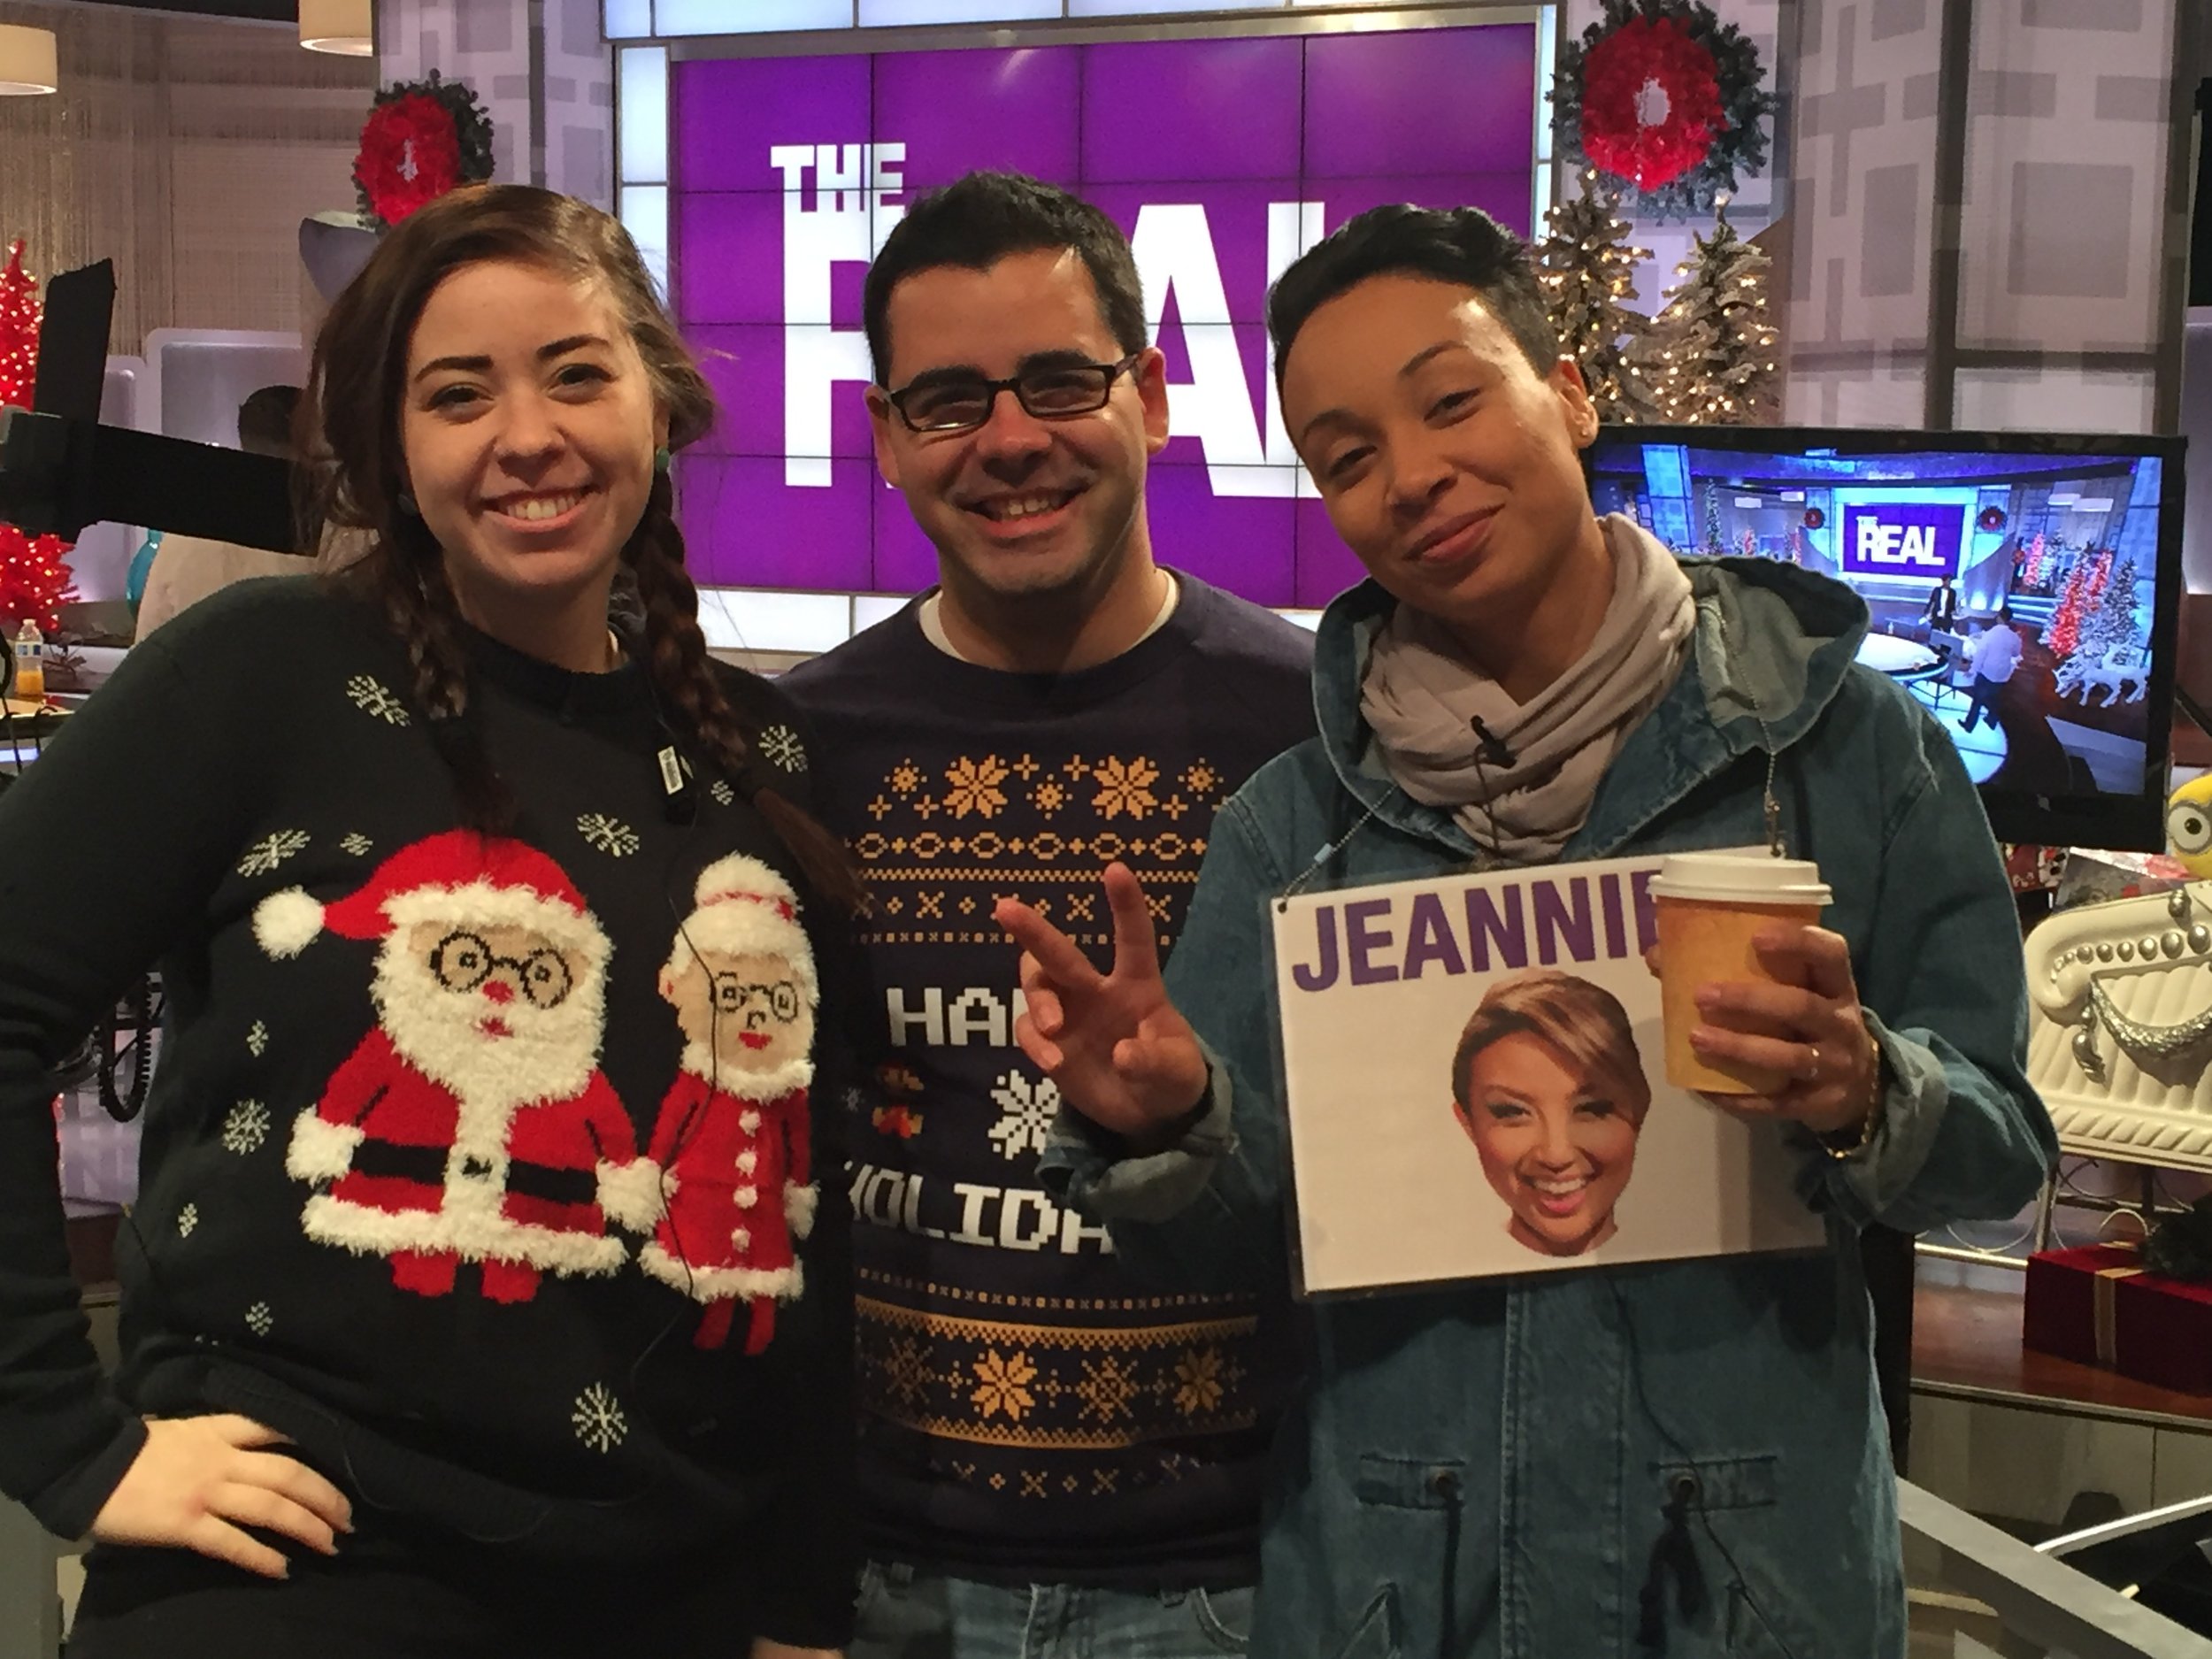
{"points": [[1685, 1457]]}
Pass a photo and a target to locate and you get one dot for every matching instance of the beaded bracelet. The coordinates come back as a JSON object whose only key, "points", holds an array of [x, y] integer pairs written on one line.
{"points": [[1877, 1092]]}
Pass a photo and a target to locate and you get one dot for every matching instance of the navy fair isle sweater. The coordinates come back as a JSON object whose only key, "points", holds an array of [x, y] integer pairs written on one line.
{"points": [[432, 1128], [1030, 1412]]}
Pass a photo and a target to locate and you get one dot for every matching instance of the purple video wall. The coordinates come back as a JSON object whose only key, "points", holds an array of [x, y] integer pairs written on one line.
{"points": [[1223, 158]]}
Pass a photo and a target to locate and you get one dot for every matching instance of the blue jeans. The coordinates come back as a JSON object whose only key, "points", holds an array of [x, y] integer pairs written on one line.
{"points": [[906, 1615]]}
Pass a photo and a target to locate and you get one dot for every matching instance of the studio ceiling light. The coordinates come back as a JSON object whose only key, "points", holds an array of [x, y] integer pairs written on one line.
{"points": [[337, 26], [27, 60]]}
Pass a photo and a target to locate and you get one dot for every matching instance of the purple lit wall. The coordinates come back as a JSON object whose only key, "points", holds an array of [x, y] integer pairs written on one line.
{"points": [[1223, 158]]}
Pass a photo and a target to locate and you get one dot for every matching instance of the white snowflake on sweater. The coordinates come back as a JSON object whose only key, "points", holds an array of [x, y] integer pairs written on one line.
{"points": [[722, 793], [1026, 1112], [370, 696], [246, 1127], [257, 1039], [355, 845], [781, 745], [259, 1320], [608, 835], [598, 1419], [187, 1218], [265, 855]]}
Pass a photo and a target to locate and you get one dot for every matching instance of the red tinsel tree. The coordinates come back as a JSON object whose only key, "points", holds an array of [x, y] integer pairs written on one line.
{"points": [[34, 580], [2064, 634], [2099, 575]]}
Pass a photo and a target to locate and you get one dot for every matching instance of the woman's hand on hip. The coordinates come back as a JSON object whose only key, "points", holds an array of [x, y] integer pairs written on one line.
{"points": [[198, 1482], [1112, 1042]]}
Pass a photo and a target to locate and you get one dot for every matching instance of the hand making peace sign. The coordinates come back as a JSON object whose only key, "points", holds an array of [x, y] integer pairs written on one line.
{"points": [[1112, 1042]]}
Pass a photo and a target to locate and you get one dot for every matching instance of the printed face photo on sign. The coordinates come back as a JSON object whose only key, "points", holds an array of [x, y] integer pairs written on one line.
{"points": [[1548, 1083]]}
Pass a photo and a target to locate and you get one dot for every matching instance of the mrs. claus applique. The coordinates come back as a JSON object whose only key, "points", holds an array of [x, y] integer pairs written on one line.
{"points": [[733, 1130]]}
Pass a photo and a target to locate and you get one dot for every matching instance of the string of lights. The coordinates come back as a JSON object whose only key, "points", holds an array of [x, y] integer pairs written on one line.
{"points": [[1708, 358], [33, 579], [1587, 267]]}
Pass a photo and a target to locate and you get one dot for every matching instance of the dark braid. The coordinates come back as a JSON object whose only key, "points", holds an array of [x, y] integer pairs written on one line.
{"points": [[676, 657], [419, 602]]}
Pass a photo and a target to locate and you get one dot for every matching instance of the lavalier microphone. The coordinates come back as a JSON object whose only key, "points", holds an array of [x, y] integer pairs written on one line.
{"points": [[1493, 749]]}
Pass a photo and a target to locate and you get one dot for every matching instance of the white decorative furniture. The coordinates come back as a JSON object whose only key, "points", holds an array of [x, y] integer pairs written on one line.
{"points": [[2120, 1027]]}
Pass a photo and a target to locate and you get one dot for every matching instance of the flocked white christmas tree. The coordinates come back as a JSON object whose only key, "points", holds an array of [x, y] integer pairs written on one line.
{"points": [[2111, 624], [1709, 358], [1587, 267]]}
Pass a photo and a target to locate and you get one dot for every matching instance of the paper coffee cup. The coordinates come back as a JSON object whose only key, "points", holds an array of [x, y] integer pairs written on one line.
{"points": [[1711, 906]]}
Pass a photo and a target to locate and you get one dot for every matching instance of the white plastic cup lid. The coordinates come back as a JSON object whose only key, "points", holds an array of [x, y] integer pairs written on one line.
{"points": [[1740, 879]]}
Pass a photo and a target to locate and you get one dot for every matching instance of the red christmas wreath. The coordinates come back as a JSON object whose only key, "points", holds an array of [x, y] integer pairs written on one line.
{"points": [[1665, 98], [422, 139], [1650, 102]]}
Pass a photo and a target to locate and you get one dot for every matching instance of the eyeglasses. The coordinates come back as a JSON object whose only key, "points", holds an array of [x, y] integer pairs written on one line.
{"points": [[463, 961], [733, 996], [964, 402]]}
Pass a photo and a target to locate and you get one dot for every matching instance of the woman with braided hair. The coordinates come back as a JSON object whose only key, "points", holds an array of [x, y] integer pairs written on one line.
{"points": [[426, 831]]}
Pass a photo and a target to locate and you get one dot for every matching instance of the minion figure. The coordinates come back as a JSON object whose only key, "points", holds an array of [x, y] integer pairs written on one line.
{"points": [[2188, 826]]}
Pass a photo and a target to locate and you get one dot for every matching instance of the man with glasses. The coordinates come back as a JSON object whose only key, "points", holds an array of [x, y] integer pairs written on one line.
{"points": [[1056, 1459]]}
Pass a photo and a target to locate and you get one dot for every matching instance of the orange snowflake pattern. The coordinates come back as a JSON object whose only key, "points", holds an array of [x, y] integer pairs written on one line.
{"points": [[972, 785], [1124, 787], [1002, 1384]]}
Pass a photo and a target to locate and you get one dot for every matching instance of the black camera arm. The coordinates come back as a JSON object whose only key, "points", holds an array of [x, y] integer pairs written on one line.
{"points": [[61, 470]]}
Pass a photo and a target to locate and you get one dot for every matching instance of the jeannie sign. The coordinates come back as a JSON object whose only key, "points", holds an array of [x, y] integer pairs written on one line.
{"points": [[1474, 1081], [1223, 158]]}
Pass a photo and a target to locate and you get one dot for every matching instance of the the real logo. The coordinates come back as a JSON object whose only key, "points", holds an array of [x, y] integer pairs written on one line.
{"points": [[1898, 544]]}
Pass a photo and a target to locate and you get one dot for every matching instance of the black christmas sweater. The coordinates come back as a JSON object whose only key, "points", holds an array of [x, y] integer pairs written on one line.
{"points": [[451, 1170], [1030, 1411]]}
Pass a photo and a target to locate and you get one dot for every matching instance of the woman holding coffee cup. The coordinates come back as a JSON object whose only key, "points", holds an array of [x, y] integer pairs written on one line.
{"points": [[1687, 1456], [1548, 1084]]}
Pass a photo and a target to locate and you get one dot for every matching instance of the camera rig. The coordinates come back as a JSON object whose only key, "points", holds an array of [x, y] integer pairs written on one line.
{"points": [[61, 470]]}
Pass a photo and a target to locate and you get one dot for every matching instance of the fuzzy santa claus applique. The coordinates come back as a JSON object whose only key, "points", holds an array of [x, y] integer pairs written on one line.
{"points": [[733, 1130], [472, 1124]]}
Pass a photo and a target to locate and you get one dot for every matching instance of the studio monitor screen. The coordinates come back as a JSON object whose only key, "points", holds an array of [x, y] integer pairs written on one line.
{"points": [[2023, 588]]}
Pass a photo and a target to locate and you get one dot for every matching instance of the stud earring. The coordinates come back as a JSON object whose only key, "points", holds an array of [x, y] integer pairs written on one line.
{"points": [[661, 458]]}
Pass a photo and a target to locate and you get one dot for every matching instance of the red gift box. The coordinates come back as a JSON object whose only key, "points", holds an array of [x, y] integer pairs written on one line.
{"points": [[2096, 1305]]}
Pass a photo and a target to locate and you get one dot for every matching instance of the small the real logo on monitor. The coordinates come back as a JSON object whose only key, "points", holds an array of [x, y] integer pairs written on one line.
{"points": [[1903, 538], [1904, 544]]}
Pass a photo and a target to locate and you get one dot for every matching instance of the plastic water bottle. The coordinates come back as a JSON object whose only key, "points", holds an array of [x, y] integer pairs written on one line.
{"points": [[30, 663]]}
